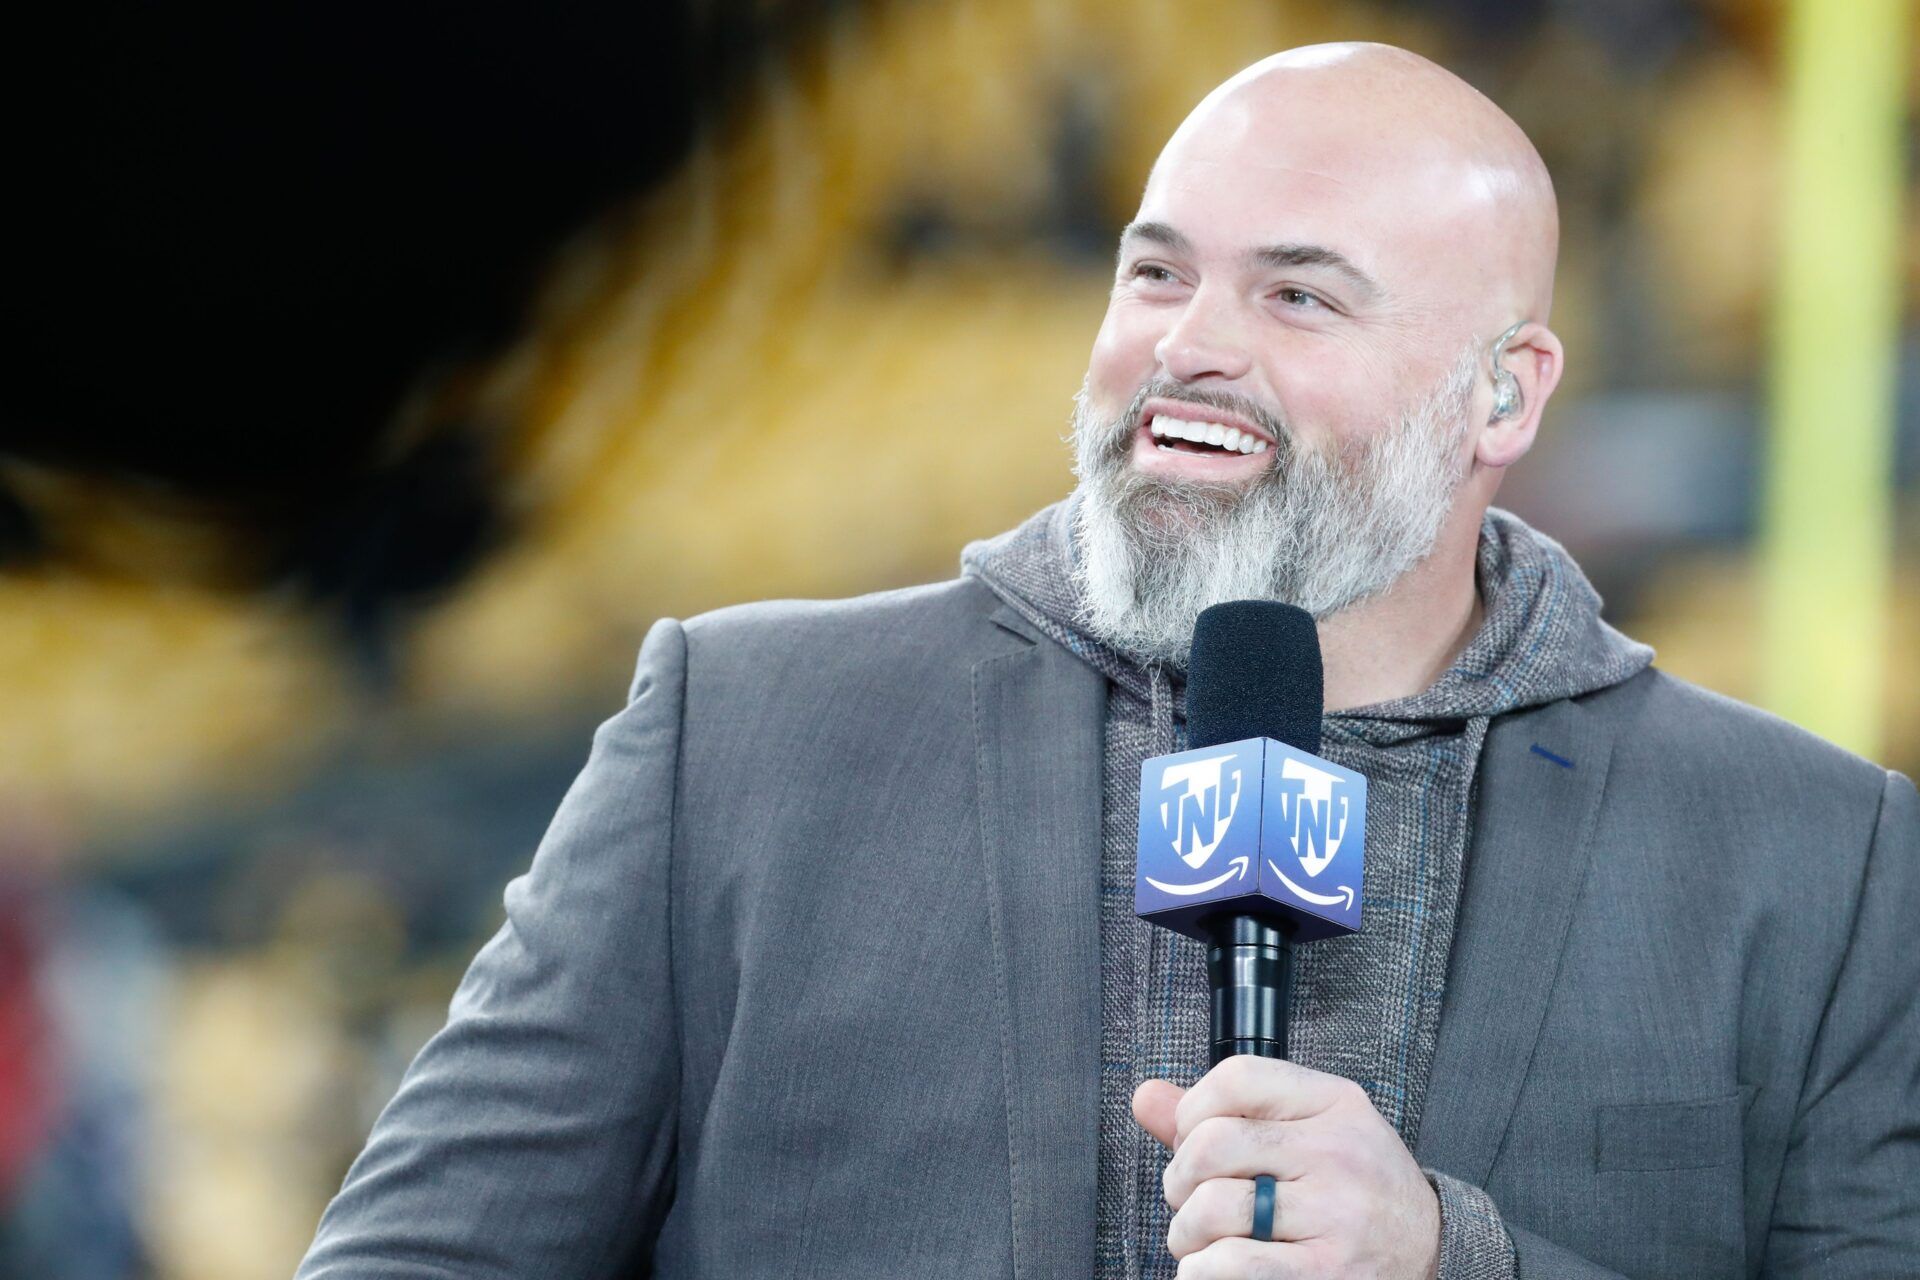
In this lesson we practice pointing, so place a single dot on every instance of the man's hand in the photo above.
(1349, 1201)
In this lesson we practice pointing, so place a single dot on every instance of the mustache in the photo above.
(1212, 398)
(1119, 441)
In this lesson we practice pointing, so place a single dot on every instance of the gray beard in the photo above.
(1323, 531)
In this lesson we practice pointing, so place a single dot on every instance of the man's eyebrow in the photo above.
(1314, 255)
(1159, 233)
(1273, 255)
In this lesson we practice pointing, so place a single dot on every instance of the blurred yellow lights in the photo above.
(128, 695)
(1829, 527)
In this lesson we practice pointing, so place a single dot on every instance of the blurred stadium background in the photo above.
(380, 375)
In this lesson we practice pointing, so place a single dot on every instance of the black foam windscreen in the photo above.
(1255, 673)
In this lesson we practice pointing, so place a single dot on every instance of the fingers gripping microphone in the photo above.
(1249, 841)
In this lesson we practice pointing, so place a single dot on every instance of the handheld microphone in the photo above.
(1250, 842)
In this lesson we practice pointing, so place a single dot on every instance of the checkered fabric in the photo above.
(1367, 1006)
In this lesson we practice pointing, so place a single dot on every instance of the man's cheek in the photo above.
(1122, 357)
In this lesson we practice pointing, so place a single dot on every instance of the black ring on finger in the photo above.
(1263, 1199)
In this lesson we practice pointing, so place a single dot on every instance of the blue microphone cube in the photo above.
(1255, 827)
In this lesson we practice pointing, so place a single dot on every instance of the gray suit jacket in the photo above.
(803, 981)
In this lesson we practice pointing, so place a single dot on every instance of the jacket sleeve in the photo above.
(1848, 1202)
(534, 1135)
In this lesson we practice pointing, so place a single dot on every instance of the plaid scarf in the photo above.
(1366, 1006)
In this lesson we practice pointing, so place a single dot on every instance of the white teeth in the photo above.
(1166, 427)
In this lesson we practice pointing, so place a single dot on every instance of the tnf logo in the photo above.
(1197, 802)
(1313, 812)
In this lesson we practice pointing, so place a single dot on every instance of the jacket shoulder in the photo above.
(935, 620)
(861, 645)
(1707, 743)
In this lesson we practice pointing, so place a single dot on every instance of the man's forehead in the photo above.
(1389, 218)
(1406, 172)
(1286, 129)
(1276, 214)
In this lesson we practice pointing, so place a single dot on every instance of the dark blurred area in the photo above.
(252, 233)
(377, 374)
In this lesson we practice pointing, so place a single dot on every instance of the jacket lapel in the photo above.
(1039, 716)
(1541, 778)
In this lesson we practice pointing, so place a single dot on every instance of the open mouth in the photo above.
(1179, 435)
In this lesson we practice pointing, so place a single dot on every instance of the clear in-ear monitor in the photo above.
(1506, 388)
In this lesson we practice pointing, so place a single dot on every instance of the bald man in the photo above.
(828, 964)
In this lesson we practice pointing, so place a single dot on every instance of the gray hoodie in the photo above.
(1367, 1006)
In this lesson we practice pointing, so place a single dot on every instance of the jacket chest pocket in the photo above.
(1654, 1136)
(1669, 1180)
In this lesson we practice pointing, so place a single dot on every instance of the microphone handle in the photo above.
(1250, 971)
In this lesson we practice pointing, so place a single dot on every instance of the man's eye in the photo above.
(1299, 298)
(1150, 271)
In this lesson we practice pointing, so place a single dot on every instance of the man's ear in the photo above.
(1533, 359)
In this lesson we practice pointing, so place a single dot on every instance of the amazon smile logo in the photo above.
(1313, 809)
(1197, 802)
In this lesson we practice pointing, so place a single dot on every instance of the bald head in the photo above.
(1305, 387)
(1334, 241)
(1419, 173)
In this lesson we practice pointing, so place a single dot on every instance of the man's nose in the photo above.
(1205, 341)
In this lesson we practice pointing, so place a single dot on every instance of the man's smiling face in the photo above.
(1294, 260)
(1281, 399)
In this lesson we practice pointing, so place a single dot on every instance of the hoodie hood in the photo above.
(1542, 639)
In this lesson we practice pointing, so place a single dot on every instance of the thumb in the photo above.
(1153, 1106)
